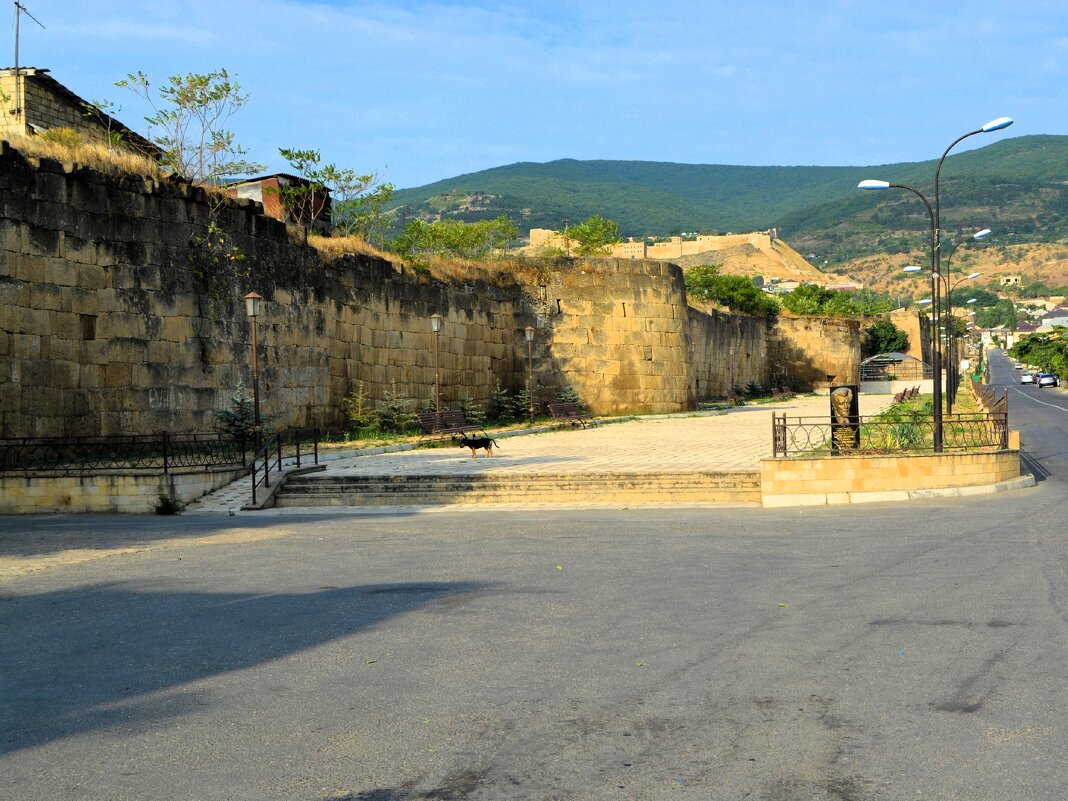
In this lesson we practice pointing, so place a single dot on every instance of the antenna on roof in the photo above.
(19, 11)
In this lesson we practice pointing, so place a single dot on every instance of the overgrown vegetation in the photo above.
(169, 506)
(356, 201)
(67, 145)
(1046, 350)
(735, 292)
(883, 337)
(422, 239)
(190, 115)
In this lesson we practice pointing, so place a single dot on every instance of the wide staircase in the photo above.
(585, 489)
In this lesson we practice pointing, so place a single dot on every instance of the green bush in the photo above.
(360, 417)
(396, 416)
(169, 506)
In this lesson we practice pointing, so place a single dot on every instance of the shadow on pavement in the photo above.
(117, 656)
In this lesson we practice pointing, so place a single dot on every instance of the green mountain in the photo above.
(1015, 185)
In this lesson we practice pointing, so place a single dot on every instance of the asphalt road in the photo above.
(915, 651)
(1040, 414)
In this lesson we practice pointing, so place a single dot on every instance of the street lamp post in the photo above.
(435, 326)
(934, 214)
(951, 361)
(529, 331)
(253, 305)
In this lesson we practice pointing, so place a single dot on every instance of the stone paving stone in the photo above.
(733, 439)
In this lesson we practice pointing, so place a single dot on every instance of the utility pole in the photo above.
(19, 11)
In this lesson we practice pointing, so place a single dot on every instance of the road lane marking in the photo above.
(1036, 400)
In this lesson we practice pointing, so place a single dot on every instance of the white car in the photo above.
(1017, 366)
(1047, 380)
(1027, 378)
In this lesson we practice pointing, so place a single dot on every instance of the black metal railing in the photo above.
(150, 452)
(795, 436)
(276, 449)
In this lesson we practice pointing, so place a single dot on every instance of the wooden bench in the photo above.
(445, 423)
(907, 394)
(570, 414)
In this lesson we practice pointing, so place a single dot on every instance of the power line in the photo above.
(19, 11)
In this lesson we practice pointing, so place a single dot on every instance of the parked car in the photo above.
(1027, 378)
(1017, 366)
(1047, 380)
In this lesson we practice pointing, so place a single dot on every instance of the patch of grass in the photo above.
(65, 145)
(332, 248)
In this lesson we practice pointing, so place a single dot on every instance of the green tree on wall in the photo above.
(883, 337)
(809, 300)
(356, 200)
(453, 238)
(594, 237)
(189, 122)
(736, 292)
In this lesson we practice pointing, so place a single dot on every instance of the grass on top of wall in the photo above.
(66, 145)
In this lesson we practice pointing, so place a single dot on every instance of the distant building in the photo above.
(1050, 319)
(1010, 280)
(267, 189)
(34, 102)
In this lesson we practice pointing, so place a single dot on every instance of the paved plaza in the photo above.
(723, 440)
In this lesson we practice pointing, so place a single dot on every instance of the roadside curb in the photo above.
(841, 498)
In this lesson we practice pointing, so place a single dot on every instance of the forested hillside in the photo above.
(1018, 187)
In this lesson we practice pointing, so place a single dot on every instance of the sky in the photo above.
(423, 91)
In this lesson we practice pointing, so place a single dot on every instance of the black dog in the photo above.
(474, 443)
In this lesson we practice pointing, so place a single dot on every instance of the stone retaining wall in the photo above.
(116, 317)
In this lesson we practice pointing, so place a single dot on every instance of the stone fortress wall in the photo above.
(113, 320)
(675, 248)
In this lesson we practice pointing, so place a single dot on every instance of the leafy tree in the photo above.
(594, 237)
(104, 111)
(809, 300)
(357, 205)
(736, 292)
(303, 202)
(883, 337)
(189, 123)
(1048, 350)
(356, 200)
(983, 297)
(1001, 315)
(453, 238)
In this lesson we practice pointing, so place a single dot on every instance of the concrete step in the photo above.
(512, 489)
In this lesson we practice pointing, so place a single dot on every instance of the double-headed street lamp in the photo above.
(951, 364)
(934, 213)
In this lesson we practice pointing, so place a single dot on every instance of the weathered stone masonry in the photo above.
(110, 321)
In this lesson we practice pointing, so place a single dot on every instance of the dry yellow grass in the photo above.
(88, 153)
(332, 248)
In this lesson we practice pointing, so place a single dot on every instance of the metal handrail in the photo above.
(277, 444)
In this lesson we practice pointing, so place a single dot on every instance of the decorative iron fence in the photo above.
(150, 452)
(794, 436)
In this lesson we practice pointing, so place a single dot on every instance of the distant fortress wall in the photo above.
(675, 248)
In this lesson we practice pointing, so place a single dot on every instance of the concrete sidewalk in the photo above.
(734, 439)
